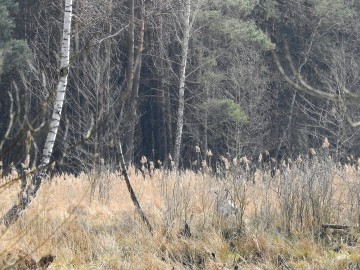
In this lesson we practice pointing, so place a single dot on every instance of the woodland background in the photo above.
(235, 98)
(205, 81)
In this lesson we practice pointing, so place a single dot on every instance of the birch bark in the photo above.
(184, 56)
(13, 214)
(59, 100)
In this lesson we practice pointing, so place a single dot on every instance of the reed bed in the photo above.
(202, 219)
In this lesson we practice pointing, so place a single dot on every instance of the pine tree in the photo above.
(13, 52)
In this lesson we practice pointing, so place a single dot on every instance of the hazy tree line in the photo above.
(233, 76)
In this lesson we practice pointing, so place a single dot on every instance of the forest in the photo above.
(234, 120)
(161, 77)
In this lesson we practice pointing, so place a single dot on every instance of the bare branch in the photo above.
(354, 124)
(342, 86)
(111, 36)
(307, 88)
(301, 84)
(11, 121)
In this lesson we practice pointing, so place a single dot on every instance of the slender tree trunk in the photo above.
(106, 81)
(135, 89)
(13, 214)
(127, 94)
(165, 95)
(206, 130)
(184, 55)
(131, 190)
(130, 69)
(288, 126)
(135, 85)
(163, 119)
(206, 97)
(168, 118)
(61, 87)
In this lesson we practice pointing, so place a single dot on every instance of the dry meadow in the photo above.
(201, 220)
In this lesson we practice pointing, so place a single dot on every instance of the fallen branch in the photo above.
(335, 226)
(131, 190)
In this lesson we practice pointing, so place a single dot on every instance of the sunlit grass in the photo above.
(89, 221)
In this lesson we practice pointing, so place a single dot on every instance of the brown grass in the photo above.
(86, 231)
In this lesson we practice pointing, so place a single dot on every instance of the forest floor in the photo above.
(89, 222)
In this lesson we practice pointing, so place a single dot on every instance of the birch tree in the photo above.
(184, 55)
(13, 214)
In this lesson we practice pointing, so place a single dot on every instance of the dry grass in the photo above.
(89, 222)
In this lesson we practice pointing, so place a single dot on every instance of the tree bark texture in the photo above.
(13, 214)
(184, 56)
(135, 86)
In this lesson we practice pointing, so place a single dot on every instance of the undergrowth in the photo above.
(201, 220)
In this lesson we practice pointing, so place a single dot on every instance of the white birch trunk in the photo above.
(61, 87)
(13, 214)
(184, 56)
